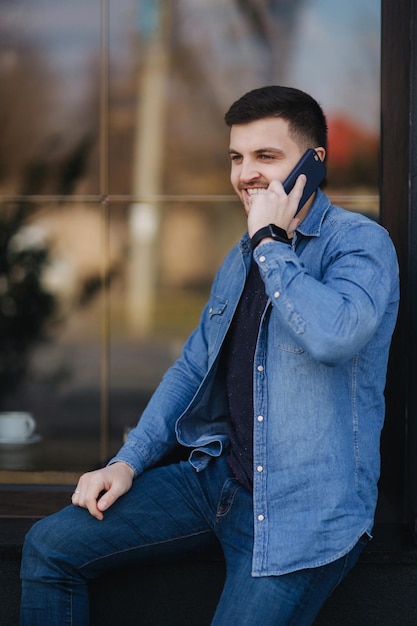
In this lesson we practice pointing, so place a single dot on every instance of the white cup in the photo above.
(16, 425)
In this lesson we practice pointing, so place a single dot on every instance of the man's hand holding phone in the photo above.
(275, 206)
(280, 203)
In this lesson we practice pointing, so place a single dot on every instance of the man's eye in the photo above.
(266, 157)
(235, 157)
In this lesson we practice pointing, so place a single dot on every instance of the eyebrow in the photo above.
(260, 151)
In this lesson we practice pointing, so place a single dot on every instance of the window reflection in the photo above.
(50, 332)
(115, 192)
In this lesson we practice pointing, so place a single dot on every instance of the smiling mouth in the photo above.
(251, 191)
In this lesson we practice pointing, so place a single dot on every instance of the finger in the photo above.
(86, 494)
(76, 496)
(301, 181)
(295, 222)
(294, 197)
(95, 511)
(108, 498)
(275, 186)
(91, 502)
(91, 507)
(105, 502)
(298, 188)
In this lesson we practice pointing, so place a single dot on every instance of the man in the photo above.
(278, 395)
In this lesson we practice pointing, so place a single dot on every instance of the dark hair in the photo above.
(307, 123)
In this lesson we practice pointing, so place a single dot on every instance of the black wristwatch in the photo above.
(273, 231)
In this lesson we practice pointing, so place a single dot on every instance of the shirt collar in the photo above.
(311, 224)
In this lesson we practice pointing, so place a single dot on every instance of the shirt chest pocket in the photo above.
(217, 318)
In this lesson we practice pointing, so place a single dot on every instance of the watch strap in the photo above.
(272, 230)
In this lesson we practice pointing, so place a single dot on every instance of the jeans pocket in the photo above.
(230, 488)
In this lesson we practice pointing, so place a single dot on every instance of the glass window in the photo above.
(115, 202)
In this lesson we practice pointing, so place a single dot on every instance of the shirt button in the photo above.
(260, 418)
(261, 518)
(262, 259)
(259, 468)
(260, 368)
(276, 294)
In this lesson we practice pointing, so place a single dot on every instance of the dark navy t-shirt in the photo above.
(237, 363)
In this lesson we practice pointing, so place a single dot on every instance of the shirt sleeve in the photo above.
(334, 313)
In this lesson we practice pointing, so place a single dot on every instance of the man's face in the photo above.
(260, 152)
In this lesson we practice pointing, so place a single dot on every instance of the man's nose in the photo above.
(248, 171)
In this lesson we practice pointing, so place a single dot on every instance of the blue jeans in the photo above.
(169, 512)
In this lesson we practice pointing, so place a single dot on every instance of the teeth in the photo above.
(254, 190)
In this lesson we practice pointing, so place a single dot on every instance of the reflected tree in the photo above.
(25, 305)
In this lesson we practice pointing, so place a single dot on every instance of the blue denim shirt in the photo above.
(319, 378)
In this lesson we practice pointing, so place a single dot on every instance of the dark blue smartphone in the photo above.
(314, 169)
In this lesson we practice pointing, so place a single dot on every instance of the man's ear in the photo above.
(321, 152)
